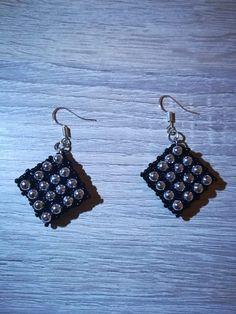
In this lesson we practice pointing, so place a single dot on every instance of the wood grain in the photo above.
(111, 60)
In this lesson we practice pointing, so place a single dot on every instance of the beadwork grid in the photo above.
(52, 187)
(177, 177)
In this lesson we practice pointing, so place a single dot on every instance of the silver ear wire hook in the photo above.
(171, 115)
(65, 144)
(66, 129)
(54, 115)
(173, 134)
(161, 100)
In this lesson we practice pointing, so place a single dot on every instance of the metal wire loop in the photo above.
(173, 135)
(65, 144)
(176, 138)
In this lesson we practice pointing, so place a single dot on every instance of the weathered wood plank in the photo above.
(111, 60)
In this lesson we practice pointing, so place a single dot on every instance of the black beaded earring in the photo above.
(177, 176)
(53, 186)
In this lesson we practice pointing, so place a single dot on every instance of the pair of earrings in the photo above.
(177, 176)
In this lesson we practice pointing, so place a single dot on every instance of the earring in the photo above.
(53, 186)
(177, 176)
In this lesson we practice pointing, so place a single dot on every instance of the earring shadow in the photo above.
(218, 185)
(94, 200)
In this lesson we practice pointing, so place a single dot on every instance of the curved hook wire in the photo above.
(173, 135)
(54, 115)
(161, 101)
(65, 144)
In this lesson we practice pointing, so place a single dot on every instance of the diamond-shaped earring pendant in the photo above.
(177, 176)
(53, 186)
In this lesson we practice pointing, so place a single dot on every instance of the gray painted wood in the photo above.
(112, 60)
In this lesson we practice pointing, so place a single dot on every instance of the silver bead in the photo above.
(25, 185)
(72, 183)
(162, 165)
(179, 186)
(56, 209)
(38, 205)
(68, 201)
(170, 176)
(170, 159)
(47, 166)
(58, 158)
(50, 195)
(43, 185)
(39, 175)
(197, 169)
(207, 180)
(188, 177)
(60, 189)
(177, 150)
(55, 179)
(66, 142)
(188, 196)
(187, 160)
(179, 168)
(168, 195)
(160, 186)
(153, 176)
(46, 217)
(32, 194)
(64, 172)
(198, 188)
(79, 194)
(177, 205)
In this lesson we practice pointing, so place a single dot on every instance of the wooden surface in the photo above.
(111, 60)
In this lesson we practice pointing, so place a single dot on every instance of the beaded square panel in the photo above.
(177, 177)
(52, 187)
